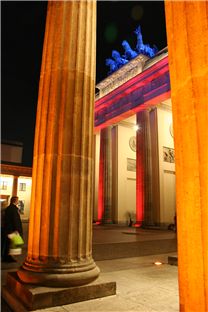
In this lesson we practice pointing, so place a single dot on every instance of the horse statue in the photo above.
(120, 61)
(140, 44)
(144, 48)
(129, 53)
(150, 51)
(112, 64)
(116, 63)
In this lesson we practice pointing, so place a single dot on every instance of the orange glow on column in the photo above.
(187, 33)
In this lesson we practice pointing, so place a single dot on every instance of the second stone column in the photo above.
(105, 177)
(60, 231)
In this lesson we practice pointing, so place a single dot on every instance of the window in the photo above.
(3, 185)
(22, 187)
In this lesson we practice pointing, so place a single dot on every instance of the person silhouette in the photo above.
(12, 223)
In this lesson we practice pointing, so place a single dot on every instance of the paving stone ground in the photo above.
(141, 285)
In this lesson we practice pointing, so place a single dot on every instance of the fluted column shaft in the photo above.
(187, 33)
(60, 231)
(105, 177)
(143, 170)
(148, 178)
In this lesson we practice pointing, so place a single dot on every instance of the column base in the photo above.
(138, 224)
(104, 221)
(107, 221)
(62, 276)
(25, 297)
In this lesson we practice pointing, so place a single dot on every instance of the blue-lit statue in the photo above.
(112, 64)
(144, 48)
(116, 63)
(129, 53)
(120, 61)
(141, 48)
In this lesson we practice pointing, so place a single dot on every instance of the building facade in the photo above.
(125, 143)
(60, 232)
(134, 158)
(15, 179)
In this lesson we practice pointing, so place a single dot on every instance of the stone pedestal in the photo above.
(21, 297)
(173, 260)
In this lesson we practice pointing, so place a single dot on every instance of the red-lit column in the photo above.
(60, 231)
(105, 177)
(143, 170)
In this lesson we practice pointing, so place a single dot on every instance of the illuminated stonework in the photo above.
(119, 77)
(119, 60)
(187, 34)
(60, 231)
(132, 89)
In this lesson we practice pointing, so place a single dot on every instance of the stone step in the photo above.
(108, 251)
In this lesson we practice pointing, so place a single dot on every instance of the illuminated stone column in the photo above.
(143, 170)
(187, 33)
(105, 177)
(148, 178)
(155, 172)
(15, 186)
(60, 231)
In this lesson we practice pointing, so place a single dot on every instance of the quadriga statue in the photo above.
(129, 53)
(118, 61)
(144, 48)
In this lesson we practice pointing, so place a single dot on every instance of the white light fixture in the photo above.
(136, 127)
(157, 263)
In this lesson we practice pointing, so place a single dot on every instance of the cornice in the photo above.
(16, 170)
(119, 77)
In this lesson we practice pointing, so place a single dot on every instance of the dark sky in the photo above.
(22, 33)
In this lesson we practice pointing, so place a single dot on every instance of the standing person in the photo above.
(3, 234)
(12, 223)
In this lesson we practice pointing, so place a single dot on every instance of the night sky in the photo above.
(22, 34)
